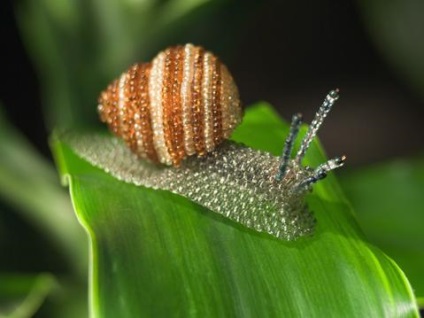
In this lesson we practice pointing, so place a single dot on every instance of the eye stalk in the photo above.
(288, 146)
(295, 165)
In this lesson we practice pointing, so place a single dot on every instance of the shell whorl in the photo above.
(184, 102)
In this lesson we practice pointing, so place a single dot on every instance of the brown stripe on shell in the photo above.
(132, 109)
(123, 103)
(176, 116)
(197, 111)
(105, 105)
(114, 124)
(167, 101)
(144, 111)
(223, 101)
(216, 102)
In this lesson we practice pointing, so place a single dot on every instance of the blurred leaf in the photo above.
(22, 295)
(29, 182)
(157, 254)
(41, 295)
(390, 205)
(397, 29)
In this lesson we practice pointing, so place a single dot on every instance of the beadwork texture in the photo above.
(184, 102)
(234, 181)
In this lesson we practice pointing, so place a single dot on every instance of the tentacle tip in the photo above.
(297, 119)
(341, 160)
(334, 94)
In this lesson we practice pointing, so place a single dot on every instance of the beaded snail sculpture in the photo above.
(175, 115)
(185, 102)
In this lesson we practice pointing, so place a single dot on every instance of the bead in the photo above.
(184, 102)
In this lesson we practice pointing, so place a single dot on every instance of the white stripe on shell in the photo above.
(155, 94)
(121, 102)
(206, 100)
(186, 98)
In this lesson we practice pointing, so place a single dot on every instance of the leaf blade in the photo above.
(150, 243)
(388, 199)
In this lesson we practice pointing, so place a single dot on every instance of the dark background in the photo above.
(287, 54)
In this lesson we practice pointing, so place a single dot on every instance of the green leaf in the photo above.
(157, 254)
(389, 201)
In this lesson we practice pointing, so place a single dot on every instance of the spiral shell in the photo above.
(184, 102)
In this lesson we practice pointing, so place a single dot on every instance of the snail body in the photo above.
(184, 102)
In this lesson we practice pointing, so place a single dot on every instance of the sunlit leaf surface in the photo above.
(156, 254)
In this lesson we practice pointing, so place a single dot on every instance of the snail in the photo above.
(184, 102)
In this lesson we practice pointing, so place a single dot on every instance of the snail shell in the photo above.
(184, 102)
